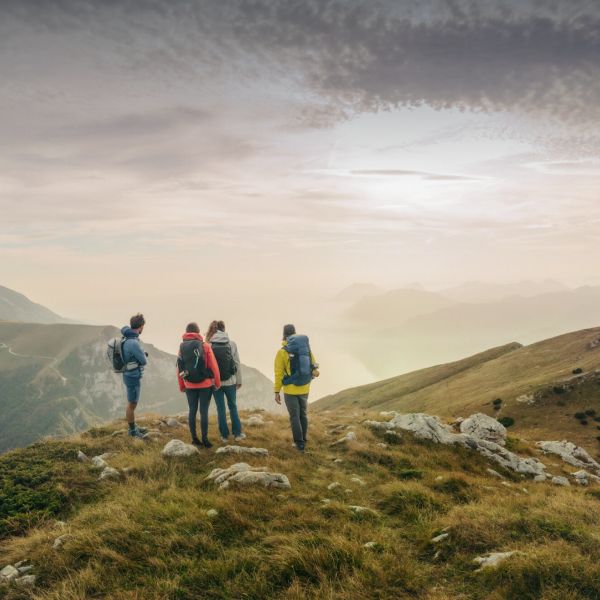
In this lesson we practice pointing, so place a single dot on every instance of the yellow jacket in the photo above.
(282, 368)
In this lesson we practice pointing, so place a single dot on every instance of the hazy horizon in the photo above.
(246, 161)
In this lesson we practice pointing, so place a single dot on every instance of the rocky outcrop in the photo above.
(243, 474)
(483, 427)
(493, 559)
(584, 478)
(571, 454)
(179, 448)
(428, 427)
(243, 450)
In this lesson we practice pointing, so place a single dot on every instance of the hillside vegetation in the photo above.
(55, 380)
(17, 307)
(534, 384)
(149, 535)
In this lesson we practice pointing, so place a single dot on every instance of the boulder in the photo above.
(109, 473)
(81, 456)
(378, 425)
(584, 478)
(560, 481)
(571, 454)
(254, 421)
(173, 422)
(212, 513)
(493, 559)
(243, 474)
(60, 540)
(349, 437)
(242, 450)
(99, 463)
(482, 427)
(26, 581)
(358, 480)
(9, 573)
(179, 448)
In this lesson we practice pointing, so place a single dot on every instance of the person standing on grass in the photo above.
(135, 360)
(197, 374)
(295, 368)
(228, 358)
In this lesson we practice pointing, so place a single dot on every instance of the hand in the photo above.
(238, 386)
(277, 398)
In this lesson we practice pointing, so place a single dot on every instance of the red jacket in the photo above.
(211, 363)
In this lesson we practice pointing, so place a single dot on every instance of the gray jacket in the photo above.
(222, 337)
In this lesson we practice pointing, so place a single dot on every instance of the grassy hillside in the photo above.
(55, 380)
(17, 307)
(149, 536)
(506, 373)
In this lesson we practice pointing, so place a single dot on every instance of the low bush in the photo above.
(579, 415)
(507, 421)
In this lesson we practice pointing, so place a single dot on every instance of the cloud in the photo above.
(407, 173)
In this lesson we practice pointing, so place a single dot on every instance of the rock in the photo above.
(26, 581)
(440, 538)
(81, 456)
(571, 454)
(212, 513)
(378, 425)
(388, 413)
(9, 573)
(242, 450)
(362, 510)
(541, 477)
(99, 462)
(334, 485)
(372, 546)
(382, 445)
(560, 481)
(526, 399)
(326, 501)
(492, 560)
(118, 432)
(255, 421)
(172, 422)
(393, 434)
(109, 473)
(439, 478)
(107, 455)
(584, 478)
(495, 473)
(482, 427)
(347, 491)
(349, 437)
(24, 569)
(244, 474)
(20, 564)
(358, 480)
(337, 461)
(179, 448)
(59, 541)
(431, 428)
(60, 525)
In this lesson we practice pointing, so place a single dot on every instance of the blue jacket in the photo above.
(133, 353)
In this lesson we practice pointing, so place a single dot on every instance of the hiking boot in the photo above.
(196, 442)
(142, 430)
(206, 443)
(239, 438)
(137, 433)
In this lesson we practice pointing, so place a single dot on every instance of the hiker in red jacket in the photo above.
(198, 374)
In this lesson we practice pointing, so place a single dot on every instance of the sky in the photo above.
(246, 159)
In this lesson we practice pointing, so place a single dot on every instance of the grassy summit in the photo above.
(149, 536)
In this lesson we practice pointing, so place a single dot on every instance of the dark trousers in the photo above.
(198, 398)
(229, 392)
(297, 406)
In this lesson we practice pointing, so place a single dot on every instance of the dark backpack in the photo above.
(192, 362)
(115, 356)
(298, 348)
(224, 356)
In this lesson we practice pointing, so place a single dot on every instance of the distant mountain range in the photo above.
(17, 307)
(533, 385)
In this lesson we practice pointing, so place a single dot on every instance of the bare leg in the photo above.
(130, 412)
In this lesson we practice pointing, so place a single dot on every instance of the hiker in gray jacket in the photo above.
(228, 358)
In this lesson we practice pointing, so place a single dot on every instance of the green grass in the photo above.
(148, 536)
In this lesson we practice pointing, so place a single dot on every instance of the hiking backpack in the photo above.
(298, 348)
(191, 362)
(114, 352)
(224, 355)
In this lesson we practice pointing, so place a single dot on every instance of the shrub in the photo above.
(507, 421)
(580, 415)
(497, 401)
(497, 406)
(577, 371)
(455, 487)
(410, 474)
(559, 389)
(590, 412)
(583, 422)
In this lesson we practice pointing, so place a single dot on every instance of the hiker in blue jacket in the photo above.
(135, 360)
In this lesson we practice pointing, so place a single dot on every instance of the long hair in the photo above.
(213, 328)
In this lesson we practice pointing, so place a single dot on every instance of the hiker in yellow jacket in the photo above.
(295, 367)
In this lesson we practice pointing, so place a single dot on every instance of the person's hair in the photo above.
(137, 321)
(192, 328)
(288, 330)
(213, 328)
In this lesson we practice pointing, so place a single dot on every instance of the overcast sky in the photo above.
(156, 149)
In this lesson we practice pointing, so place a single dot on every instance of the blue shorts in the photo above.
(134, 388)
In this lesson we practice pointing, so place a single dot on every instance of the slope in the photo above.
(162, 531)
(534, 383)
(55, 379)
(17, 307)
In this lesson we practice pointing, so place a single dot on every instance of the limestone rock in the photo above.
(109, 473)
(349, 437)
(9, 573)
(81, 456)
(244, 474)
(440, 538)
(179, 448)
(212, 513)
(492, 560)
(26, 581)
(560, 481)
(571, 454)
(378, 425)
(60, 540)
(254, 421)
(495, 473)
(172, 422)
(362, 510)
(358, 480)
(24, 569)
(242, 450)
(584, 478)
(99, 462)
(482, 427)
(334, 485)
